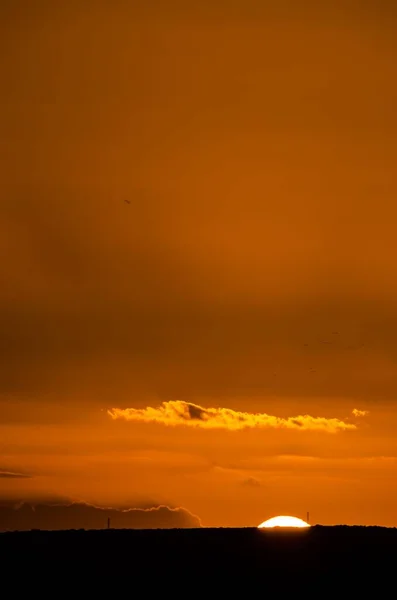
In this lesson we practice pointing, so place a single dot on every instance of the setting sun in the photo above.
(283, 521)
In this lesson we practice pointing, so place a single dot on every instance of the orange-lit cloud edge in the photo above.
(180, 413)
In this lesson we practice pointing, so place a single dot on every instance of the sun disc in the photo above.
(283, 521)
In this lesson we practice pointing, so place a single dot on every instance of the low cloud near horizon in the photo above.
(22, 516)
(177, 412)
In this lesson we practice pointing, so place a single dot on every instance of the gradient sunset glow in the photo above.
(198, 291)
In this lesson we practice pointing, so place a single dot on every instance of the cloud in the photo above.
(12, 475)
(177, 412)
(360, 413)
(78, 515)
(251, 482)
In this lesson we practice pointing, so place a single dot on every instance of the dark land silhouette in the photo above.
(316, 560)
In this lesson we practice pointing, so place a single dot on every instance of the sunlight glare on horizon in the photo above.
(283, 521)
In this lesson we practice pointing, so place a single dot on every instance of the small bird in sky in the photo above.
(127, 201)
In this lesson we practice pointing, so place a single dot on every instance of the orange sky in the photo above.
(253, 270)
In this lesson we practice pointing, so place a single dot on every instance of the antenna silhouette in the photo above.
(307, 517)
(108, 522)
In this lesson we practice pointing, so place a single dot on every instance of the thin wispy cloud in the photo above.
(13, 475)
(251, 482)
(360, 413)
(180, 413)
